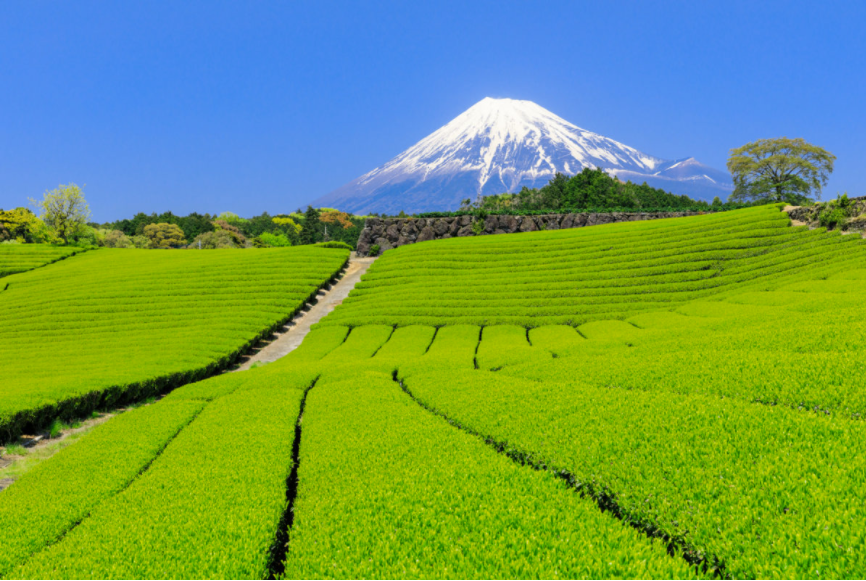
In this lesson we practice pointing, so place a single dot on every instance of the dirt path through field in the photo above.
(297, 329)
(13, 466)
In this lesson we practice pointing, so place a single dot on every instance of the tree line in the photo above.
(764, 171)
(64, 219)
(591, 188)
(228, 230)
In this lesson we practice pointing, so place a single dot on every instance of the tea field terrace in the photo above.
(575, 276)
(119, 325)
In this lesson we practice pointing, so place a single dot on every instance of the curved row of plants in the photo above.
(113, 326)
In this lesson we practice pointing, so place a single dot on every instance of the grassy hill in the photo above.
(16, 258)
(574, 276)
(658, 400)
(117, 325)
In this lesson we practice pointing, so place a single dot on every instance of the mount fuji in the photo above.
(501, 145)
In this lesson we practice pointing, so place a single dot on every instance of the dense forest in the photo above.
(589, 190)
(228, 230)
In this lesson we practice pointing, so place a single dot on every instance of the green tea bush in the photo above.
(575, 276)
(50, 499)
(120, 325)
(832, 217)
(191, 509)
(397, 492)
(335, 244)
(16, 258)
(677, 398)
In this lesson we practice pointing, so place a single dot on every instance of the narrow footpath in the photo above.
(288, 340)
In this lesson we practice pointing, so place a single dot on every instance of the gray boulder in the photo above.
(528, 225)
(427, 233)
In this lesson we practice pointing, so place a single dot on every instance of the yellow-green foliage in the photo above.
(15, 258)
(121, 324)
(53, 497)
(706, 392)
(574, 276)
(202, 487)
(213, 458)
(391, 491)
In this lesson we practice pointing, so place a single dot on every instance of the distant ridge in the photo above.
(501, 145)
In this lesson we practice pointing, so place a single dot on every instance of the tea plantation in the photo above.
(16, 258)
(115, 325)
(669, 399)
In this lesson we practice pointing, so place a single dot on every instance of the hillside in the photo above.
(15, 258)
(669, 399)
(574, 276)
(116, 325)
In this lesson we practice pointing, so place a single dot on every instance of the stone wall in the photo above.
(393, 232)
(809, 214)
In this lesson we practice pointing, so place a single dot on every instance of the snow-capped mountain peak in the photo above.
(497, 145)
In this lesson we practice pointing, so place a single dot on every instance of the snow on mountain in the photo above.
(501, 145)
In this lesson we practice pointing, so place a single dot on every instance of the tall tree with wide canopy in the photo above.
(779, 170)
(65, 210)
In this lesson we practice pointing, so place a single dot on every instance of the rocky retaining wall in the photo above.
(393, 232)
(856, 210)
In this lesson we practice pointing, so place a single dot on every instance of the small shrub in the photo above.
(335, 244)
(15, 450)
(477, 227)
(274, 240)
(374, 250)
(140, 241)
(56, 429)
(832, 218)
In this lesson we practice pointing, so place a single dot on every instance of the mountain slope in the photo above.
(501, 145)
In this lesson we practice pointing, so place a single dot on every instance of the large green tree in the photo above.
(311, 226)
(779, 170)
(164, 235)
(65, 210)
(21, 224)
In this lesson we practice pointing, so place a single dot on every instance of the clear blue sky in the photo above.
(253, 106)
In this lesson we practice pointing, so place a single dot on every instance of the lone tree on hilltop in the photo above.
(65, 210)
(779, 170)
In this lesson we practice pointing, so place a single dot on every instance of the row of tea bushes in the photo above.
(575, 276)
(760, 491)
(45, 503)
(387, 490)
(15, 258)
(191, 486)
(113, 325)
